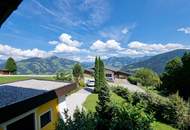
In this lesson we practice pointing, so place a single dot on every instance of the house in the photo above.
(110, 73)
(32, 104)
(4, 72)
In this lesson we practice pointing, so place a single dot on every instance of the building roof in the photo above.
(22, 90)
(21, 96)
(4, 70)
(116, 70)
(6, 8)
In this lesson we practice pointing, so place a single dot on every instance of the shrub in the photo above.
(81, 121)
(172, 110)
(147, 77)
(82, 83)
(123, 92)
(133, 80)
(129, 117)
(65, 76)
(125, 117)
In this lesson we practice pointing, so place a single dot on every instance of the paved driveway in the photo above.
(126, 84)
(77, 99)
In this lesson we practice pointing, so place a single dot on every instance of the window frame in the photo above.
(4, 125)
(51, 117)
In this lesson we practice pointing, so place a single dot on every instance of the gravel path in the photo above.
(77, 99)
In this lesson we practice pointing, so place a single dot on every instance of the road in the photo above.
(77, 99)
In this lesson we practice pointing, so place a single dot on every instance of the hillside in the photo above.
(122, 61)
(117, 62)
(48, 65)
(156, 63)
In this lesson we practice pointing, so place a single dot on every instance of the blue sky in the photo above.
(82, 29)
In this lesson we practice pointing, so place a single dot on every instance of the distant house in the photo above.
(32, 104)
(110, 73)
(4, 72)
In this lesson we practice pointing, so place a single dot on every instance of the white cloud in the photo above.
(65, 44)
(118, 33)
(185, 30)
(7, 51)
(65, 48)
(154, 47)
(109, 45)
(67, 39)
(125, 30)
(53, 42)
(140, 48)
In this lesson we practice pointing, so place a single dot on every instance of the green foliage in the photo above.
(65, 76)
(124, 117)
(123, 92)
(102, 79)
(161, 126)
(11, 65)
(82, 83)
(129, 117)
(78, 73)
(99, 75)
(133, 80)
(177, 76)
(172, 110)
(170, 77)
(81, 121)
(103, 110)
(147, 77)
(96, 75)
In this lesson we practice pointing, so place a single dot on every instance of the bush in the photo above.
(82, 83)
(129, 117)
(123, 92)
(125, 117)
(172, 110)
(65, 76)
(133, 80)
(80, 121)
(147, 77)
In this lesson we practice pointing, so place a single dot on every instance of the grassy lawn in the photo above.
(12, 79)
(161, 126)
(9, 79)
(92, 99)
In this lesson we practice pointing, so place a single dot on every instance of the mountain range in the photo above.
(54, 64)
(117, 62)
(50, 65)
(157, 62)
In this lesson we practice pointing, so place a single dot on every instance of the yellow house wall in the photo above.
(51, 105)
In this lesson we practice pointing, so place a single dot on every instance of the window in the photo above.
(25, 123)
(45, 119)
(108, 75)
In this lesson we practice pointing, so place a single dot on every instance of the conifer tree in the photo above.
(103, 110)
(96, 75)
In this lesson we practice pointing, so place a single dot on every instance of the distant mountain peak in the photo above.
(157, 62)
